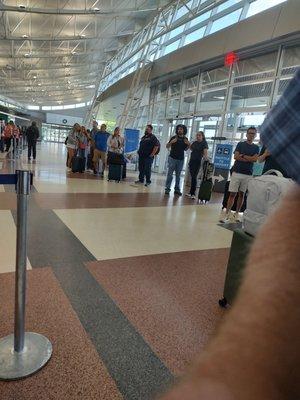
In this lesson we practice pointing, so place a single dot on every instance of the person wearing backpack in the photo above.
(148, 148)
(245, 155)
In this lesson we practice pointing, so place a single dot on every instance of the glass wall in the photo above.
(179, 25)
(223, 102)
(54, 133)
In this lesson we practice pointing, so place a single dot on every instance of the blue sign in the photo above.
(132, 138)
(223, 156)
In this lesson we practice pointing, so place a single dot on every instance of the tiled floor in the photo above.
(125, 281)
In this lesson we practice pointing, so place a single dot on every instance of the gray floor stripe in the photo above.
(136, 369)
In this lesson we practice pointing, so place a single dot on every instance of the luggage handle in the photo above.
(274, 171)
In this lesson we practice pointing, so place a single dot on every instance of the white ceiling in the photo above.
(52, 52)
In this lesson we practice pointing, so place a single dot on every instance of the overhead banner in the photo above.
(132, 138)
(223, 156)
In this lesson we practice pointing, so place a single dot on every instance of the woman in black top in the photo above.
(199, 149)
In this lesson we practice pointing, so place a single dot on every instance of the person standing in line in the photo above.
(82, 141)
(178, 145)
(199, 150)
(2, 136)
(270, 162)
(100, 149)
(32, 134)
(11, 131)
(148, 148)
(72, 143)
(115, 144)
(245, 155)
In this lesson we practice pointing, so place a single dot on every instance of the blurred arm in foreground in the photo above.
(256, 352)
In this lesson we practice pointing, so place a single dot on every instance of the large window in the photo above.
(291, 60)
(171, 47)
(228, 4)
(172, 108)
(225, 21)
(262, 5)
(256, 68)
(211, 101)
(175, 88)
(195, 35)
(251, 96)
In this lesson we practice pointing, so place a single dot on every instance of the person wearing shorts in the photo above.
(245, 154)
(100, 149)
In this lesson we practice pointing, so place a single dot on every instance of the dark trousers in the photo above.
(7, 142)
(2, 145)
(32, 149)
(145, 164)
(194, 167)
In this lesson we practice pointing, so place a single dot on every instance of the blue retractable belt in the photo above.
(12, 179)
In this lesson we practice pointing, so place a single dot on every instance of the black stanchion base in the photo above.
(37, 352)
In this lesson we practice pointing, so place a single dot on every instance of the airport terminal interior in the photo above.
(124, 278)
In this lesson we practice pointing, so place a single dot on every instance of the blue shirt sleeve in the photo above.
(239, 148)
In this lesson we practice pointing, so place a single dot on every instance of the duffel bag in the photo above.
(265, 193)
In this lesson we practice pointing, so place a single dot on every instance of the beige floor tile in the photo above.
(126, 232)
(8, 242)
(74, 185)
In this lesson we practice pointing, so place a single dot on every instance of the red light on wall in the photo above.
(231, 58)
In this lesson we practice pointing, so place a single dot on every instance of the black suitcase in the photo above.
(115, 172)
(239, 250)
(225, 199)
(89, 163)
(206, 185)
(205, 190)
(78, 164)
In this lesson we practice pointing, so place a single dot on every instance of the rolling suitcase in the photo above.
(239, 250)
(78, 164)
(115, 172)
(206, 185)
(90, 164)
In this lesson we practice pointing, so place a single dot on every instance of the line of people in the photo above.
(177, 145)
(95, 146)
(98, 145)
(11, 135)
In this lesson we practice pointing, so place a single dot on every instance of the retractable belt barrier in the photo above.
(22, 353)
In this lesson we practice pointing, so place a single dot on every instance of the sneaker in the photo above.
(167, 191)
(224, 217)
(147, 184)
(178, 192)
(138, 182)
(188, 195)
(237, 218)
(193, 197)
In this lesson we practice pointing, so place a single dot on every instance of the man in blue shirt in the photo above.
(149, 146)
(100, 148)
(245, 154)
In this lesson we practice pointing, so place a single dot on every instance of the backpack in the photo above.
(265, 193)
(158, 150)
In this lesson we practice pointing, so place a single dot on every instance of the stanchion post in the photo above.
(22, 353)
(23, 189)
